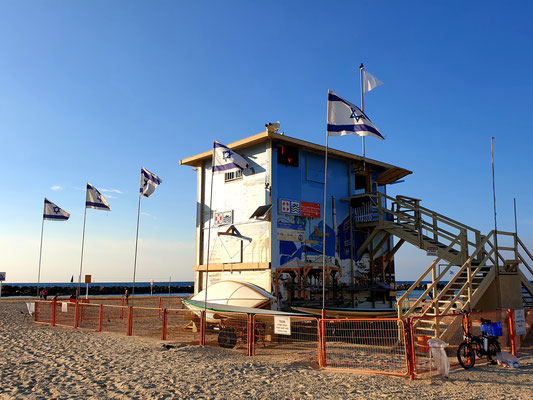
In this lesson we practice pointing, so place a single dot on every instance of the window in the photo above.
(231, 176)
(288, 155)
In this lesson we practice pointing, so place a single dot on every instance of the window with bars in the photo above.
(231, 176)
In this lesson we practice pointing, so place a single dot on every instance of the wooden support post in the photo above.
(54, 311)
(129, 331)
(164, 325)
(435, 230)
(100, 317)
(469, 280)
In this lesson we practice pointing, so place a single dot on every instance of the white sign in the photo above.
(520, 322)
(2, 276)
(223, 218)
(432, 251)
(64, 306)
(282, 325)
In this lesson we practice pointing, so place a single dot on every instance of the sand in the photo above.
(41, 362)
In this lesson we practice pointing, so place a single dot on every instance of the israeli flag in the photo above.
(345, 118)
(149, 182)
(226, 159)
(94, 199)
(53, 212)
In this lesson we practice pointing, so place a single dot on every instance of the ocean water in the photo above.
(105, 284)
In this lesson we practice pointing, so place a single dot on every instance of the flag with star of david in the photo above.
(95, 199)
(149, 182)
(225, 159)
(345, 118)
(53, 212)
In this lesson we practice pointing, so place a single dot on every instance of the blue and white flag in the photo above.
(95, 199)
(370, 82)
(149, 182)
(53, 212)
(225, 159)
(345, 118)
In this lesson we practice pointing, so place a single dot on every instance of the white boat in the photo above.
(231, 293)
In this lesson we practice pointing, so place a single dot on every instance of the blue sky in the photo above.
(90, 91)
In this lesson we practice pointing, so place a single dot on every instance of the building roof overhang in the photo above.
(387, 173)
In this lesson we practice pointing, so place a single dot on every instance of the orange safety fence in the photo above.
(366, 345)
(182, 326)
(297, 339)
(227, 330)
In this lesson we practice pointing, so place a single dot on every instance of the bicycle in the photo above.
(480, 346)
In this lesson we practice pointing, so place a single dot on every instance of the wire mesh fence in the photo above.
(299, 340)
(227, 330)
(366, 345)
(182, 326)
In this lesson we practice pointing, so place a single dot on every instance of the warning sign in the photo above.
(88, 278)
(520, 322)
(309, 209)
(282, 325)
(432, 251)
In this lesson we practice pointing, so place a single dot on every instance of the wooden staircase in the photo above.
(475, 260)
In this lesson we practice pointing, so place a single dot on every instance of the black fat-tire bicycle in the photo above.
(477, 346)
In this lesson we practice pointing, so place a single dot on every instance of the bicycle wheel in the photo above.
(493, 348)
(466, 355)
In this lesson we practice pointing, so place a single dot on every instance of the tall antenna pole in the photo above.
(40, 254)
(494, 204)
(135, 258)
(361, 69)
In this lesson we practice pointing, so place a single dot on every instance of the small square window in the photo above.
(231, 176)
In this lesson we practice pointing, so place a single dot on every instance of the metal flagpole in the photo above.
(40, 254)
(494, 203)
(209, 226)
(515, 224)
(135, 258)
(324, 222)
(82, 244)
(361, 69)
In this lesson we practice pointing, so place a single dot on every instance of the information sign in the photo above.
(432, 251)
(520, 322)
(2, 276)
(282, 325)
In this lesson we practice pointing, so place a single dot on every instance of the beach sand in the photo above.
(41, 362)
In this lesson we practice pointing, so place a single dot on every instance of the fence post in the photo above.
(512, 333)
(410, 347)
(202, 328)
(54, 303)
(249, 336)
(322, 333)
(160, 305)
(164, 327)
(130, 321)
(35, 311)
(122, 309)
(252, 344)
(100, 318)
(76, 315)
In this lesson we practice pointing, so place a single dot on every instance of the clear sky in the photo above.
(90, 91)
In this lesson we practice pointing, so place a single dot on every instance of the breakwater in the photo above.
(94, 290)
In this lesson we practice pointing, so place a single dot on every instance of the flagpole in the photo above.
(40, 254)
(361, 69)
(82, 244)
(324, 222)
(135, 258)
(209, 226)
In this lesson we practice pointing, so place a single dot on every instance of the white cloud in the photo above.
(57, 187)
(111, 191)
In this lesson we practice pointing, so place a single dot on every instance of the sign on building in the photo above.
(520, 322)
(299, 208)
(291, 232)
(223, 218)
(432, 251)
(282, 325)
